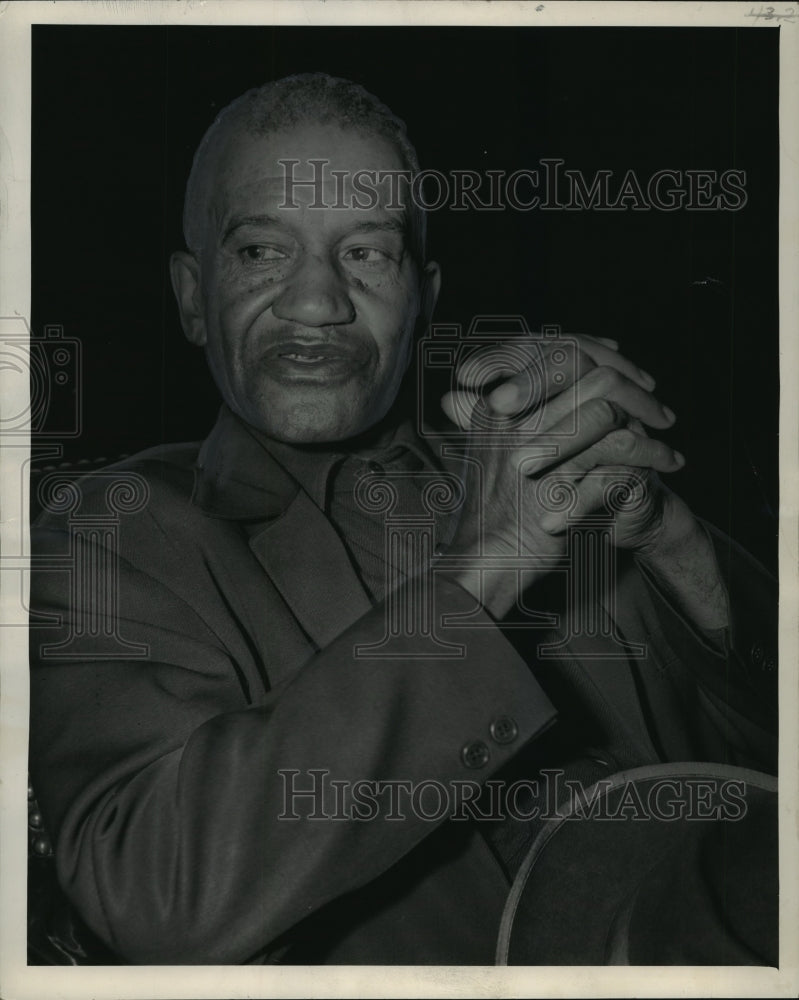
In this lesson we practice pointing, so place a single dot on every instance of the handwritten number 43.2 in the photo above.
(770, 14)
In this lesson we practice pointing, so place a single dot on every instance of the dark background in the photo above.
(118, 112)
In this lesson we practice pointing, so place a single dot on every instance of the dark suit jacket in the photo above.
(159, 775)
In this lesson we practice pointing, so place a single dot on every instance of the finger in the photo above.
(637, 426)
(554, 369)
(508, 357)
(561, 418)
(600, 350)
(624, 447)
(603, 354)
(531, 358)
(468, 410)
(459, 407)
(607, 488)
(608, 383)
(538, 451)
(607, 341)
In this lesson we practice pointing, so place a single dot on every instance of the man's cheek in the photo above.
(390, 288)
(238, 316)
(389, 315)
(239, 296)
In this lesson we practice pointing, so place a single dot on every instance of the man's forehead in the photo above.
(310, 140)
(313, 164)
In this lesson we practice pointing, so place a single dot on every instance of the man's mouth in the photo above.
(319, 362)
(304, 359)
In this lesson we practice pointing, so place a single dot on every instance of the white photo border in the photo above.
(18, 981)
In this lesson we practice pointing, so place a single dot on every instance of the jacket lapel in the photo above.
(237, 479)
(302, 572)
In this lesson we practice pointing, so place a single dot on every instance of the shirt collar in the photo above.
(312, 467)
(244, 475)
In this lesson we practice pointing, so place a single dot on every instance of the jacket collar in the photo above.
(236, 478)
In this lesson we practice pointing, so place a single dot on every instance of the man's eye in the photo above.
(258, 253)
(366, 255)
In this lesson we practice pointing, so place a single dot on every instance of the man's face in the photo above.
(306, 314)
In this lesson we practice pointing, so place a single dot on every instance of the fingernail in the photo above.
(679, 458)
(668, 414)
(647, 378)
(503, 397)
(549, 523)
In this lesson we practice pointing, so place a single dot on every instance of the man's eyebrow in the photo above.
(383, 225)
(250, 220)
(367, 226)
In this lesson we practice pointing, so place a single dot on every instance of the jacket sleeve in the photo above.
(182, 834)
(725, 681)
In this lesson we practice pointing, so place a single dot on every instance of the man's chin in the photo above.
(310, 436)
(314, 429)
(316, 415)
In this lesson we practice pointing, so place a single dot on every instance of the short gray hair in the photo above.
(285, 103)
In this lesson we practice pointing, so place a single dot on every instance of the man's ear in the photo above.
(428, 296)
(184, 269)
(431, 286)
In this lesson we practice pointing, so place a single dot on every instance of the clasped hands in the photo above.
(569, 414)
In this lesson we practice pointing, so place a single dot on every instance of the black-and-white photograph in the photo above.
(404, 495)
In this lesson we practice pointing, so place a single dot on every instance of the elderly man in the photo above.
(184, 788)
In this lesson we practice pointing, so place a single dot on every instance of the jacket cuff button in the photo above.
(475, 755)
(504, 730)
(42, 847)
(762, 658)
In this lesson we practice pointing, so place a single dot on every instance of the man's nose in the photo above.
(315, 295)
